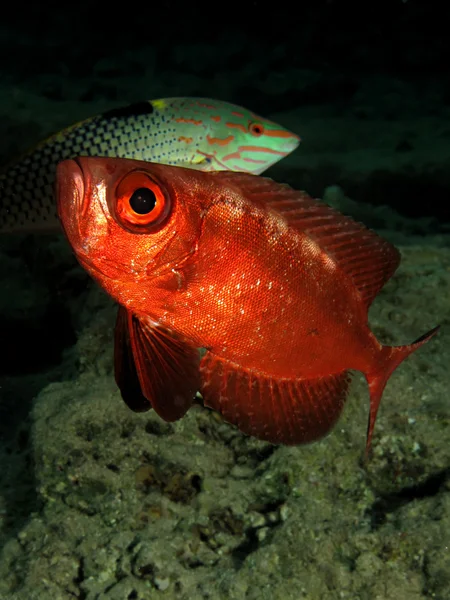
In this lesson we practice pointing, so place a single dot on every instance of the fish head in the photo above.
(232, 138)
(129, 221)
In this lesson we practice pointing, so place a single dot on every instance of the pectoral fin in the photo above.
(153, 368)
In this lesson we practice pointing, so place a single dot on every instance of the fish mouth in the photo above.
(290, 144)
(293, 143)
(72, 208)
(70, 196)
(74, 187)
(70, 178)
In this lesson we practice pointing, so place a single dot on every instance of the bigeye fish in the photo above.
(202, 134)
(274, 284)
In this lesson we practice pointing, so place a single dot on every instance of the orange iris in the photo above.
(141, 201)
(256, 129)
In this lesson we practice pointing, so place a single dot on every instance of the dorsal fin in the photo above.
(362, 254)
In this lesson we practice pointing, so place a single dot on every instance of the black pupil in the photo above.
(143, 201)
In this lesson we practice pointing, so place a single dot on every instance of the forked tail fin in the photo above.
(391, 358)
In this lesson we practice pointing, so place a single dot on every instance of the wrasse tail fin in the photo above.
(391, 358)
(154, 369)
(282, 411)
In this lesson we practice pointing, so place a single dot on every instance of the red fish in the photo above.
(275, 285)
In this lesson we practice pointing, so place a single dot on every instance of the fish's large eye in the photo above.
(141, 202)
(256, 129)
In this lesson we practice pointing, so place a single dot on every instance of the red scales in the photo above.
(274, 284)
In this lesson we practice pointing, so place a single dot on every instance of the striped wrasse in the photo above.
(204, 134)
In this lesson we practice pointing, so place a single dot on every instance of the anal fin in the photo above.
(280, 411)
(153, 368)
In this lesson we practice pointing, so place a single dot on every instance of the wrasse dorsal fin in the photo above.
(154, 369)
(285, 411)
(362, 254)
(137, 109)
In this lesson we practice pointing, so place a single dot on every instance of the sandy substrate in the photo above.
(99, 503)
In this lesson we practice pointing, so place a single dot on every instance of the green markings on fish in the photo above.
(203, 134)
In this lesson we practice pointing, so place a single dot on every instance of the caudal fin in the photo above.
(391, 357)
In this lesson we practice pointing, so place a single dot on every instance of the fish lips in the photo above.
(77, 216)
(70, 193)
(291, 143)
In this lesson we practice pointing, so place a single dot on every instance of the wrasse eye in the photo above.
(141, 203)
(256, 129)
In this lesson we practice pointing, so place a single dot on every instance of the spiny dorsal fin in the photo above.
(362, 254)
